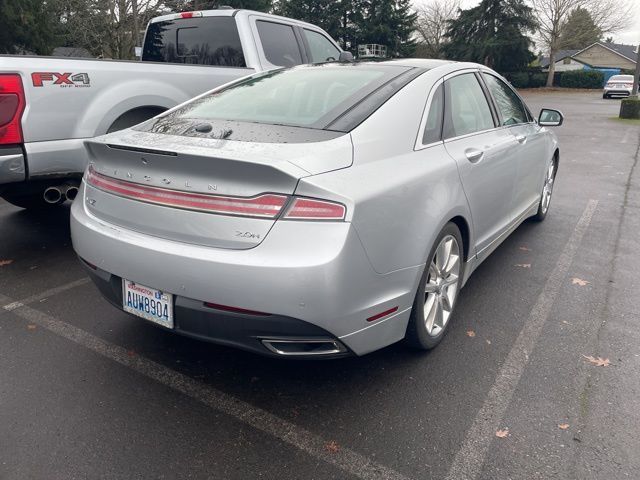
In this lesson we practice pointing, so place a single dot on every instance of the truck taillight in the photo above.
(12, 103)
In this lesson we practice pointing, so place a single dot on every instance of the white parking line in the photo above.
(42, 295)
(290, 433)
(469, 460)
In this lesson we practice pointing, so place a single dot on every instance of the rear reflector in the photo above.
(12, 103)
(265, 206)
(311, 209)
(243, 311)
(382, 314)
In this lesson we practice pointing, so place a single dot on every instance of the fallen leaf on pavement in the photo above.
(502, 433)
(471, 333)
(523, 265)
(332, 446)
(563, 426)
(579, 281)
(524, 249)
(31, 326)
(598, 362)
(5, 262)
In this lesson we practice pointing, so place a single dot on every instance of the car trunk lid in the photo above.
(213, 192)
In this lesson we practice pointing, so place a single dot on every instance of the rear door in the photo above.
(279, 43)
(485, 156)
(531, 149)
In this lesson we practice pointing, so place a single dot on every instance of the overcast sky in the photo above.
(631, 36)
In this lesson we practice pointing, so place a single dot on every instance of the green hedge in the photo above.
(527, 79)
(582, 79)
(630, 107)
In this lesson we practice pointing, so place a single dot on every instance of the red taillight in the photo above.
(243, 311)
(311, 209)
(12, 103)
(266, 206)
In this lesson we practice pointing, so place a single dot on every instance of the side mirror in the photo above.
(345, 57)
(550, 118)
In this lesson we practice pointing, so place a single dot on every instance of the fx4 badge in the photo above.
(64, 80)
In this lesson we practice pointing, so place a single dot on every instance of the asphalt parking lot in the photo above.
(89, 392)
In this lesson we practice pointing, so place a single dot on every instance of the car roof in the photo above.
(232, 12)
(426, 63)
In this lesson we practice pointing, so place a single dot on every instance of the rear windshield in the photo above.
(198, 41)
(299, 97)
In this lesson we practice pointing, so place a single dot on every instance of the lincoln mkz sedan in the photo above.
(318, 211)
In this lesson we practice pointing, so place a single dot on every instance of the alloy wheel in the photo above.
(547, 190)
(441, 288)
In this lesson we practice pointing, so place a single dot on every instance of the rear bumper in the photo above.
(56, 158)
(12, 165)
(617, 91)
(243, 331)
(315, 279)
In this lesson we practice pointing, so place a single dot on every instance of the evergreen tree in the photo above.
(493, 33)
(390, 23)
(26, 26)
(579, 31)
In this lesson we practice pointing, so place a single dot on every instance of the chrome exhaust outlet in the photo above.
(53, 195)
(304, 347)
(71, 192)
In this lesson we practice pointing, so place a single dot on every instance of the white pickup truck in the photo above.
(49, 105)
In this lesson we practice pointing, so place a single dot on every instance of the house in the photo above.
(608, 56)
(564, 61)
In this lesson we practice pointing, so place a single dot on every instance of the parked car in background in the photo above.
(322, 210)
(49, 106)
(618, 86)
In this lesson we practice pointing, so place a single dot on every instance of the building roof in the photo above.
(560, 55)
(627, 51)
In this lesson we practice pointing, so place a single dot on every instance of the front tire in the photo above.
(547, 190)
(438, 290)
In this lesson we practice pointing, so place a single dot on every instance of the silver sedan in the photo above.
(323, 210)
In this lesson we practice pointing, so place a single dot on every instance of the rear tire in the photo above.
(438, 290)
(605, 96)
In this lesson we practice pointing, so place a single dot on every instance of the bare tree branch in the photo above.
(432, 23)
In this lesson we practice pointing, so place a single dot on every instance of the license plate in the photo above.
(148, 303)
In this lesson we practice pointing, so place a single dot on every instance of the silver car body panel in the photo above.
(399, 195)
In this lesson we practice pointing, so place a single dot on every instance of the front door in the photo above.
(484, 155)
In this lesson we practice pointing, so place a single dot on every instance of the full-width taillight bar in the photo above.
(266, 205)
(12, 104)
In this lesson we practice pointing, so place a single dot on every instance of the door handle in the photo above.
(473, 154)
(521, 138)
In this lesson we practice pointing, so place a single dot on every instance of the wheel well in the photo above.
(134, 116)
(462, 225)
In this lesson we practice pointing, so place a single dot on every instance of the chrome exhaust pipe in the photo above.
(304, 347)
(71, 192)
(53, 195)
